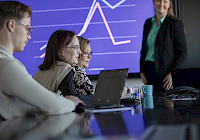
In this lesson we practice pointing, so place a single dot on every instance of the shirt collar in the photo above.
(5, 52)
(153, 19)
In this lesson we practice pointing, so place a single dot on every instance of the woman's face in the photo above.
(161, 6)
(70, 53)
(85, 57)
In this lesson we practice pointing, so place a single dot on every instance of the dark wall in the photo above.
(189, 12)
(190, 15)
(187, 77)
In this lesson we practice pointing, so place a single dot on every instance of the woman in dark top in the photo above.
(163, 47)
(57, 71)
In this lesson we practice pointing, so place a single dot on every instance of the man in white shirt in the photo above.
(20, 94)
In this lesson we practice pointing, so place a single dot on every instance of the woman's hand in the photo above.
(125, 91)
(143, 78)
(75, 99)
(168, 82)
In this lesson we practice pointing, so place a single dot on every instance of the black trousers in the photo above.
(152, 77)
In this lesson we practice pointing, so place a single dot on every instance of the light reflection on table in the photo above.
(132, 124)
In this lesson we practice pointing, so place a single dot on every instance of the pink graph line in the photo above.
(106, 24)
(43, 55)
(97, 5)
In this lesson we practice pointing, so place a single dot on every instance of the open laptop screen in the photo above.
(109, 87)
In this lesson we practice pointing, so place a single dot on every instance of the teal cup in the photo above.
(148, 102)
(147, 90)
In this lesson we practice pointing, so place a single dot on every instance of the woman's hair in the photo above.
(59, 39)
(13, 10)
(83, 43)
(170, 10)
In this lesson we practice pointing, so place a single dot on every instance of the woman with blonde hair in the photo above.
(163, 47)
(82, 83)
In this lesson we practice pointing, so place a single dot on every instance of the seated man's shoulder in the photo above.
(8, 64)
(8, 61)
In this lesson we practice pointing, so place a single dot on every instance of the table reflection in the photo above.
(132, 124)
(35, 128)
(15, 128)
(107, 121)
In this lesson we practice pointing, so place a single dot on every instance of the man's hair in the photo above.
(13, 10)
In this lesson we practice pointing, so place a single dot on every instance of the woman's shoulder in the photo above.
(174, 20)
(148, 20)
(60, 68)
(79, 70)
(62, 64)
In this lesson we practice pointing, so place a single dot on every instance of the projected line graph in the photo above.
(94, 7)
(116, 5)
(114, 28)
(97, 5)
(91, 10)
(108, 53)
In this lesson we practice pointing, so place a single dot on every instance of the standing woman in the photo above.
(163, 47)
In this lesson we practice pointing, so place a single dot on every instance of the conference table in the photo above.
(166, 120)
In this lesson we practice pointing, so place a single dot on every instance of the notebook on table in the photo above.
(108, 90)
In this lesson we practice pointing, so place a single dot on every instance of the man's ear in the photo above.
(11, 25)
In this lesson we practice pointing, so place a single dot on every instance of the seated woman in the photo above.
(56, 72)
(82, 83)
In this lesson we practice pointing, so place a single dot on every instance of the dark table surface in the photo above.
(166, 120)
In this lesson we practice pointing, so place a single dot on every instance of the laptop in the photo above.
(108, 89)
